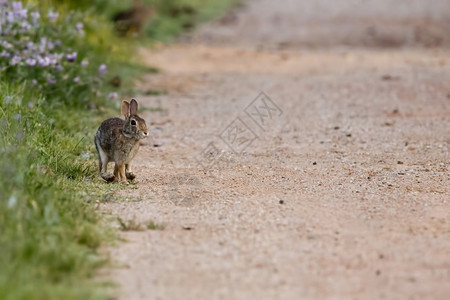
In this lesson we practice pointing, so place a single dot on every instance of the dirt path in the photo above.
(340, 185)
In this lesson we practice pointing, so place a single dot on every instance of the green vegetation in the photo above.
(170, 17)
(61, 71)
(134, 225)
(175, 16)
(154, 226)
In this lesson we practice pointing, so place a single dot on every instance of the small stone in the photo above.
(281, 201)
(400, 162)
(314, 163)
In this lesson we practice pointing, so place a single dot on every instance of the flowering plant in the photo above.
(44, 49)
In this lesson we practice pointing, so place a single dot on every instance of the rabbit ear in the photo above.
(133, 106)
(125, 109)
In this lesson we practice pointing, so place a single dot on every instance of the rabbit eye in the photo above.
(133, 122)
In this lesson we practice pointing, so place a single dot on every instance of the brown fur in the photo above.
(117, 140)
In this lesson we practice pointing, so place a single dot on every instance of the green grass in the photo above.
(175, 16)
(134, 225)
(49, 231)
(155, 226)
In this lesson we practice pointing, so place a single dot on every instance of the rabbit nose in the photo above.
(145, 133)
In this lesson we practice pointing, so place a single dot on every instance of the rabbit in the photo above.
(117, 140)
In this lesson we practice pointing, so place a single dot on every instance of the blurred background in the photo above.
(297, 23)
(347, 23)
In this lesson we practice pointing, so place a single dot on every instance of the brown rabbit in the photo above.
(117, 140)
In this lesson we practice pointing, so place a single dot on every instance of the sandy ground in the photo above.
(333, 184)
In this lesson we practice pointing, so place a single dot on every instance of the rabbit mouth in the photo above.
(129, 135)
(135, 135)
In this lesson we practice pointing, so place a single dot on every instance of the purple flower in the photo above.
(10, 17)
(43, 44)
(84, 63)
(43, 61)
(17, 116)
(102, 69)
(17, 5)
(53, 59)
(5, 54)
(30, 61)
(30, 104)
(6, 45)
(79, 27)
(22, 14)
(71, 57)
(34, 81)
(25, 26)
(112, 95)
(15, 60)
(51, 81)
(76, 79)
(35, 15)
(52, 16)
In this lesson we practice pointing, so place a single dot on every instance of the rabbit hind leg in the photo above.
(116, 172)
(103, 164)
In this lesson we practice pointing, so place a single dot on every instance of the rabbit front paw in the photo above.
(130, 175)
(108, 177)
